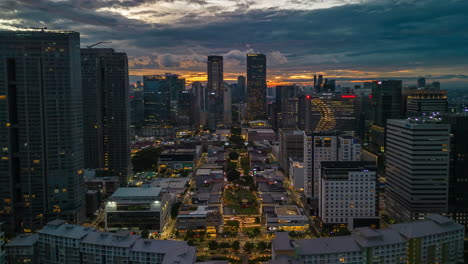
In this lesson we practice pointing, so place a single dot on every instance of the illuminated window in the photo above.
(36, 161)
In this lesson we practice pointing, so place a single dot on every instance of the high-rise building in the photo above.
(157, 101)
(41, 136)
(256, 86)
(458, 176)
(215, 74)
(320, 84)
(426, 102)
(347, 195)
(417, 167)
(106, 112)
(227, 105)
(200, 111)
(242, 88)
(215, 89)
(137, 106)
(286, 107)
(320, 147)
(291, 147)
(386, 101)
(185, 116)
(421, 83)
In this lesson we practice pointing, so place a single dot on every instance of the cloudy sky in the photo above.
(347, 40)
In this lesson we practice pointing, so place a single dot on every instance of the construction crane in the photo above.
(100, 42)
(41, 28)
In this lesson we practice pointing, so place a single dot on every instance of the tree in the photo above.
(231, 166)
(145, 233)
(247, 181)
(257, 220)
(256, 232)
(232, 175)
(245, 164)
(236, 141)
(212, 245)
(262, 245)
(249, 246)
(146, 159)
(233, 155)
(236, 245)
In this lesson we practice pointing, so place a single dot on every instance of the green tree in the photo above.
(212, 245)
(256, 232)
(236, 245)
(257, 220)
(233, 175)
(236, 141)
(249, 246)
(245, 164)
(145, 233)
(262, 245)
(233, 155)
(146, 159)
(233, 223)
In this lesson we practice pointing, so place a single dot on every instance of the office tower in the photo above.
(42, 164)
(435, 239)
(176, 85)
(291, 147)
(458, 176)
(227, 105)
(317, 148)
(349, 149)
(106, 112)
(426, 102)
(435, 85)
(320, 84)
(386, 101)
(286, 107)
(185, 113)
(157, 99)
(137, 106)
(215, 74)
(329, 112)
(242, 89)
(200, 110)
(417, 167)
(347, 195)
(315, 83)
(421, 84)
(256, 86)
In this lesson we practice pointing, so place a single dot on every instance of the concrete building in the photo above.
(202, 219)
(296, 174)
(215, 88)
(60, 243)
(387, 101)
(286, 218)
(41, 112)
(436, 239)
(347, 195)
(291, 146)
(256, 86)
(426, 102)
(261, 134)
(106, 112)
(177, 160)
(22, 249)
(146, 208)
(349, 149)
(417, 167)
(286, 107)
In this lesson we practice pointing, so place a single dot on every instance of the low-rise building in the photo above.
(22, 249)
(177, 160)
(145, 208)
(261, 134)
(201, 220)
(62, 243)
(286, 218)
(436, 239)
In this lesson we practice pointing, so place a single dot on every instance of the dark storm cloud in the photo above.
(372, 35)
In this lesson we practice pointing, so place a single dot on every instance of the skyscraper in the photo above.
(256, 86)
(387, 101)
(417, 167)
(157, 101)
(200, 94)
(215, 74)
(227, 105)
(106, 112)
(286, 107)
(41, 136)
(241, 88)
(426, 102)
(421, 83)
(215, 89)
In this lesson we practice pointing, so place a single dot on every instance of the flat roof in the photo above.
(23, 240)
(327, 245)
(61, 228)
(118, 239)
(128, 192)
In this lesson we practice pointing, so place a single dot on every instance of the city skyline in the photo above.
(298, 37)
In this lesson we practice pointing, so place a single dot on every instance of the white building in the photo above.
(417, 167)
(349, 149)
(347, 192)
(434, 240)
(325, 147)
(296, 173)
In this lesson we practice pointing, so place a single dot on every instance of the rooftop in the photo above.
(61, 228)
(23, 240)
(327, 245)
(129, 192)
(119, 239)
